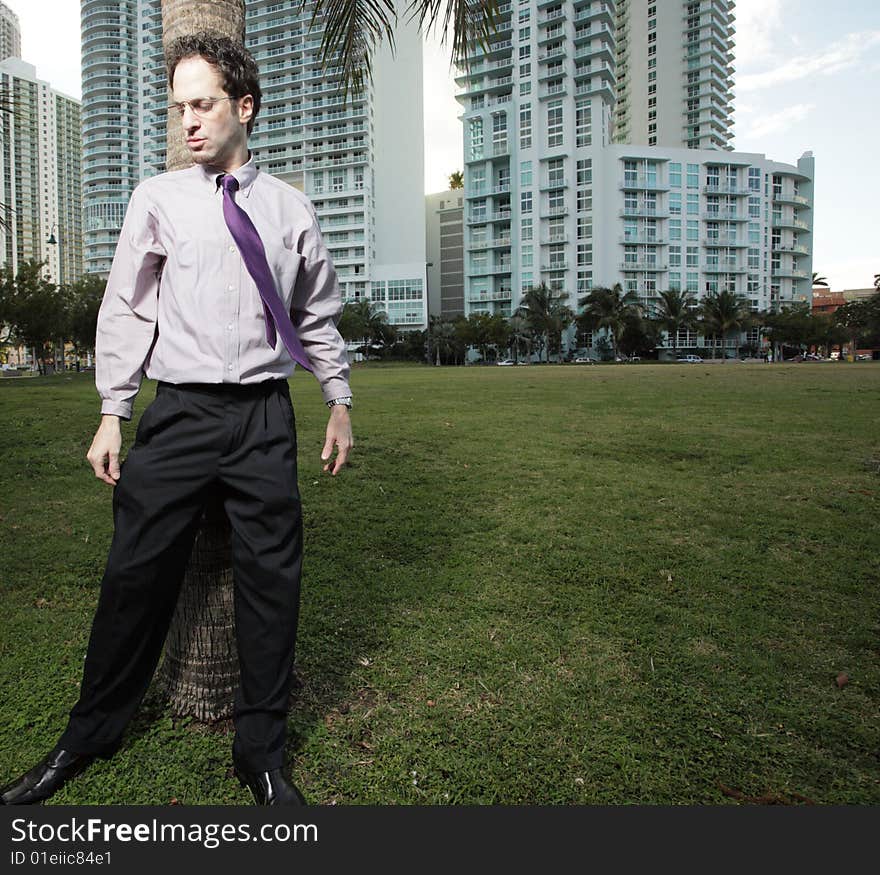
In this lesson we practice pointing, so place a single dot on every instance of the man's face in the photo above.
(219, 136)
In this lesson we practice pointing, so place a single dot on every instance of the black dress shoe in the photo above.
(49, 775)
(272, 787)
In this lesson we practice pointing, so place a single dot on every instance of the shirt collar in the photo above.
(246, 174)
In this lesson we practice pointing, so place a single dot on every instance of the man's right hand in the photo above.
(103, 454)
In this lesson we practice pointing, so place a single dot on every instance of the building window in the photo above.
(554, 123)
(525, 126)
(583, 123)
(525, 173)
(585, 171)
(525, 202)
(476, 138)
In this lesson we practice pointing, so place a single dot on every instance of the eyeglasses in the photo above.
(201, 106)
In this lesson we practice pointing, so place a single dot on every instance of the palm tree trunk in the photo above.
(199, 673)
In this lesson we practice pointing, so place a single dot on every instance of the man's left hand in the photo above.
(338, 433)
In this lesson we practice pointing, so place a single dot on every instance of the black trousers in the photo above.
(195, 441)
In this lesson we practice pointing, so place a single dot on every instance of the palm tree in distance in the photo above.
(722, 312)
(608, 308)
(676, 310)
(819, 280)
(877, 281)
(366, 321)
(456, 180)
(546, 313)
(520, 333)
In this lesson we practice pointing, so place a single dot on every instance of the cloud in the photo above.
(757, 22)
(840, 55)
(778, 120)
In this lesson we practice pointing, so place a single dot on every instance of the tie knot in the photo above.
(229, 182)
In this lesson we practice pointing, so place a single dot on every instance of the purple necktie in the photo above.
(254, 256)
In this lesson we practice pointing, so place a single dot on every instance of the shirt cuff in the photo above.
(335, 388)
(117, 408)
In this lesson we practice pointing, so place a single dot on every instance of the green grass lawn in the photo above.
(608, 584)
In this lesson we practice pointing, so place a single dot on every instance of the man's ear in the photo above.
(245, 108)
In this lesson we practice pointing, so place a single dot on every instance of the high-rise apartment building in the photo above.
(360, 162)
(111, 130)
(41, 185)
(674, 66)
(10, 34)
(550, 197)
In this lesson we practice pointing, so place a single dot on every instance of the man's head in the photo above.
(216, 91)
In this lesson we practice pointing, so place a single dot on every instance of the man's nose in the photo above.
(189, 118)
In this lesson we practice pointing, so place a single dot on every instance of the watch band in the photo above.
(345, 401)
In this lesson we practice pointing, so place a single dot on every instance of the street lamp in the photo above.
(53, 241)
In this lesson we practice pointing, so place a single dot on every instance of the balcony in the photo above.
(724, 216)
(648, 266)
(649, 212)
(737, 190)
(560, 182)
(631, 183)
(642, 241)
(724, 267)
(785, 198)
(780, 222)
(500, 295)
(724, 240)
(554, 265)
(800, 250)
(790, 272)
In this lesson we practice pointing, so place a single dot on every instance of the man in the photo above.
(220, 280)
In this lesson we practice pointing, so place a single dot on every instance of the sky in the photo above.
(807, 78)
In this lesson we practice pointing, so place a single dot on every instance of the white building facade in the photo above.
(40, 184)
(10, 33)
(551, 198)
(674, 66)
(361, 161)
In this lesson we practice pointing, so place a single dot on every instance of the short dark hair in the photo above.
(234, 62)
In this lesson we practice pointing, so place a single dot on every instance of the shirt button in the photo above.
(232, 249)
(229, 287)
(229, 327)
(229, 367)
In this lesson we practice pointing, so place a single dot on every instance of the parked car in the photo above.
(505, 362)
(690, 360)
(863, 357)
(583, 360)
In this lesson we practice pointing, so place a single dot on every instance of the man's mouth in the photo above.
(194, 141)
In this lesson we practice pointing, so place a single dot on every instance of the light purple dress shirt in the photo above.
(180, 305)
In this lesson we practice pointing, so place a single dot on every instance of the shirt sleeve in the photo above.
(127, 317)
(315, 311)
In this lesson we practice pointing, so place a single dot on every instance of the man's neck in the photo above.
(232, 164)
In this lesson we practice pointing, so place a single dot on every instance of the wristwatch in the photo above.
(345, 401)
